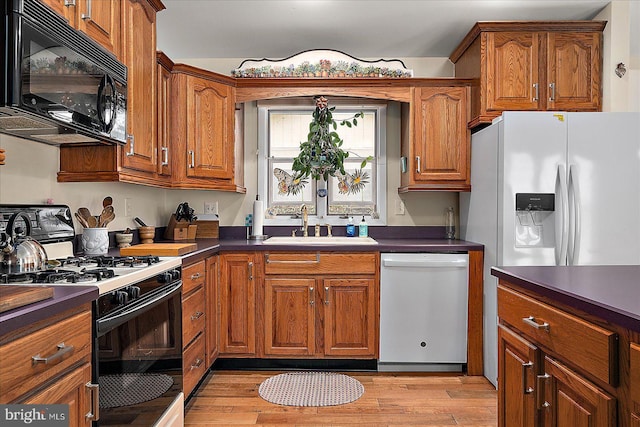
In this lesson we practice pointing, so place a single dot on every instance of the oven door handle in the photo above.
(107, 323)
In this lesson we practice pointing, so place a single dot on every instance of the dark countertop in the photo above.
(64, 298)
(609, 292)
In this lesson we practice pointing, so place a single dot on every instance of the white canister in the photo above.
(95, 241)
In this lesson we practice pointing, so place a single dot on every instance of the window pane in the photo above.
(342, 194)
(286, 131)
(281, 203)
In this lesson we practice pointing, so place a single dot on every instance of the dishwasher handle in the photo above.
(455, 263)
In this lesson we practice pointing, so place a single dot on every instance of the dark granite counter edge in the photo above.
(64, 298)
(598, 309)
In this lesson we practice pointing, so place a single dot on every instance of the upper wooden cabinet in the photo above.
(203, 131)
(436, 140)
(99, 19)
(531, 66)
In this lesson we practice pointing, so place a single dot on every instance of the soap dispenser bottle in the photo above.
(363, 228)
(351, 227)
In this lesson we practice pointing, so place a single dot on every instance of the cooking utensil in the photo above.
(92, 221)
(20, 253)
(139, 221)
(86, 214)
(108, 201)
(81, 220)
(106, 216)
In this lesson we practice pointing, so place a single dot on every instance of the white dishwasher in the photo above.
(423, 311)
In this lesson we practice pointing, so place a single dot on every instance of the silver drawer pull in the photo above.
(292, 261)
(525, 389)
(95, 402)
(62, 350)
(196, 276)
(197, 364)
(531, 321)
(196, 315)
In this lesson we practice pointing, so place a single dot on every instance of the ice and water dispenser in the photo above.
(535, 220)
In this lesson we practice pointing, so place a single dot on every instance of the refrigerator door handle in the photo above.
(574, 217)
(562, 232)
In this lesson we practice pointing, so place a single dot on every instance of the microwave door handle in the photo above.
(104, 105)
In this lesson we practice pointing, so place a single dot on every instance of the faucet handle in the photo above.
(293, 232)
(317, 230)
(328, 230)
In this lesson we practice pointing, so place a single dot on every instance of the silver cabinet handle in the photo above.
(196, 315)
(418, 168)
(132, 142)
(525, 389)
(87, 16)
(197, 364)
(62, 350)
(326, 295)
(192, 159)
(94, 414)
(536, 95)
(311, 298)
(195, 276)
(531, 321)
(165, 156)
(250, 265)
(552, 86)
(293, 261)
(68, 3)
(540, 382)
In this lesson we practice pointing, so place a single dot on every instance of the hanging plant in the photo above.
(321, 155)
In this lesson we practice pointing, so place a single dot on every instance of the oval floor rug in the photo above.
(310, 389)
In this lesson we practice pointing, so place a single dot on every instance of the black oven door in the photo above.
(138, 357)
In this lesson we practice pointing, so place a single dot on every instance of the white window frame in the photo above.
(321, 216)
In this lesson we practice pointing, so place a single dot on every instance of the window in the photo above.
(283, 124)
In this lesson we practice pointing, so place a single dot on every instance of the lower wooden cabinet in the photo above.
(547, 377)
(310, 311)
(194, 314)
(212, 303)
(634, 356)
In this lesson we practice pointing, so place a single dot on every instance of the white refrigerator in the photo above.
(552, 188)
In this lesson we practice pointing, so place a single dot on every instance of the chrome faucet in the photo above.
(305, 220)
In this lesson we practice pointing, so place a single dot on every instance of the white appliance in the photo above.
(552, 188)
(423, 311)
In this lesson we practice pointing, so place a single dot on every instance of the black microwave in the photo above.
(61, 87)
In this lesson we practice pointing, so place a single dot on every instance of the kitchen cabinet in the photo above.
(99, 19)
(436, 141)
(239, 273)
(312, 310)
(194, 315)
(531, 66)
(203, 131)
(634, 351)
(212, 303)
(63, 373)
(554, 368)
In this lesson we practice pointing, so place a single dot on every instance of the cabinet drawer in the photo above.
(193, 315)
(586, 345)
(64, 343)
(192, 276)
(193, 365)
(634, 355)
(320, 263)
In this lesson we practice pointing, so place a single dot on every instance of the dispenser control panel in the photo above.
(535, 202)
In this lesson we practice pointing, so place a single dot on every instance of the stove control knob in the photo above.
(164, 277)
(122, 297)
(134, 292)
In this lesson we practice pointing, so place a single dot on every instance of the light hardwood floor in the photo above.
(231, 398)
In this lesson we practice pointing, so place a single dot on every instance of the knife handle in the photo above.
(139, 221)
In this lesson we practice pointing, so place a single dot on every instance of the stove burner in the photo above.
(99, 273)
(59, 276)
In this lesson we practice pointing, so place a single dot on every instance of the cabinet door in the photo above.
(289, 316)
(100, 20)
(210, 133)
(157, 334)
(238, 304)
(139, 55)
(634, 373)
(69, 390)
(350, 314)
(573, 71)
(212, 301)
(572, 401)
(512, 74)
(164, 120)
(517, 361)
(441, 139)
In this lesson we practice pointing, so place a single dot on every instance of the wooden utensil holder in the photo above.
(180, 230)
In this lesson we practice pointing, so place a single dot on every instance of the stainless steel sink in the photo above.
(322, 240)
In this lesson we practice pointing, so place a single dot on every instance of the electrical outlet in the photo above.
(128, 207)
(211, 208)
(399, 207)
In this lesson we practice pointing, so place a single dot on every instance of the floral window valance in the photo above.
(321, 64)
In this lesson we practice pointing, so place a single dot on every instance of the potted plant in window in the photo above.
(321, 155)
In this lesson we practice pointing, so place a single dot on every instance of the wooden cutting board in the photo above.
(14, 296)
(159, 249)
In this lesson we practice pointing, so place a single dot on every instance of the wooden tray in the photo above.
(14, 296)
(159, 249)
